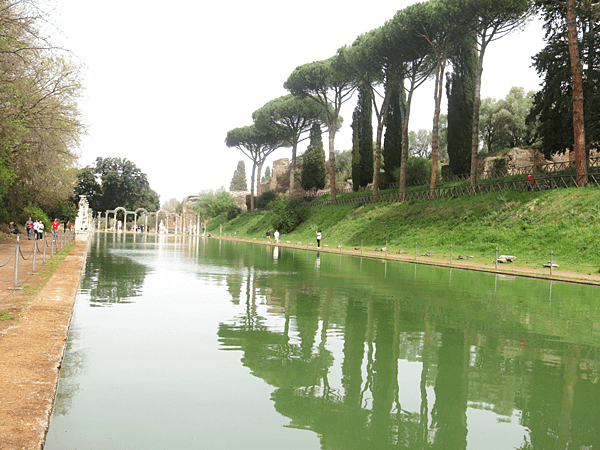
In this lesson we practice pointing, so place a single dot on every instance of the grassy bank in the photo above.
(528, 225)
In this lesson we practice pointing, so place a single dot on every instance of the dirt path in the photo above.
(33, 336)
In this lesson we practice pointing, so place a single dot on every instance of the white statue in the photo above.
(119, 226)
(83, 219)
(161, 228)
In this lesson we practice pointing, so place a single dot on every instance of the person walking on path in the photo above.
(268, 235)
(55, 227)
(276, 236)
(40, 232)
(29, 226)
(319, 239)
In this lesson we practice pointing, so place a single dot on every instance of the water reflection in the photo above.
(361, 353)
(499, 348)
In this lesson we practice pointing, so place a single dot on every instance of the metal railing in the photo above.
(61, 242)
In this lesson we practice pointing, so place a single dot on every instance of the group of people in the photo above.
(37, 228)
(276, 236)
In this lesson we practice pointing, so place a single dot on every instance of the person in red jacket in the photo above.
(55, 227)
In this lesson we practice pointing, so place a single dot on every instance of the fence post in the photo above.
(551, 260)
(16, 278)
(340, 246)
(361, 244)
(416, 244)
(44, 245)
(386, 249)
(450, 253)
(34, 256)
(496, 260)
(52, 248)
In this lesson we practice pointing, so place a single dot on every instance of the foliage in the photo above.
(503, 124)
(39, 87)
(417, 170)
(460, 90)
(392, 141)
(256, 143)
(263, 200)
(63, 210)
(288, 213)
(292, 115)
(362, 140)
(313, 162)
(212, 203)
(419, 143)
(553, 104)
(36, 213)
(343, 164)
(267, 176)
(173, 206)
(238, 181)
(113, 183)
(329, 83)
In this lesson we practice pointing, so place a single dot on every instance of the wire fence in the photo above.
(40, 249)
(538, 183)
(542, 169)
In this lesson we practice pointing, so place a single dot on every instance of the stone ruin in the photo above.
(84, 216)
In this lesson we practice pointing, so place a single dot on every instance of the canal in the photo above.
(188, 343)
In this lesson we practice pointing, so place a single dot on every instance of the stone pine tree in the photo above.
(461, 90)
(392, 140)
(314, 173)
(362, 140)
(238, 182)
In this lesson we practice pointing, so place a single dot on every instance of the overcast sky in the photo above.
(165, 81)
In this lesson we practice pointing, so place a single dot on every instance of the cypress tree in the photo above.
(362, 140)
(460, 89)
(313, 172)
(238, 182)
(392, 139)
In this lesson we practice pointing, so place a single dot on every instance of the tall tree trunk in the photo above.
(475, 131)
(435, 132)
(293, 168)
(252, 186)
(381, 121)
(405, 107)
(331, 162)
(259, 167)
(578, 118)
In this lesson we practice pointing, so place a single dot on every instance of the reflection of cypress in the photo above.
(385, 379)
(354, 348)
(307, 316)
(450, 409)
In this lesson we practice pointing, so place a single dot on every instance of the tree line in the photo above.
(40, 124)
(443, 40)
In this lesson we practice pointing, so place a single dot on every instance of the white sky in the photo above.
(165, 81)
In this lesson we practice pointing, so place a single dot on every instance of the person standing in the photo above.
(276, 236)
(319, 239)
(268, 235)
(55, 227)
(29, 226)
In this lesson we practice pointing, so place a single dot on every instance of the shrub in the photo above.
(263, 200)
(288, 213)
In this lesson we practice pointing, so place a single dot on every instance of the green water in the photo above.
(185, 343)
